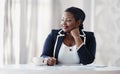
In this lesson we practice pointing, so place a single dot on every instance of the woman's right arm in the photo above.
(48, 47)
(48, 50)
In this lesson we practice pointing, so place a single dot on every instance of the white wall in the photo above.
(107, 31)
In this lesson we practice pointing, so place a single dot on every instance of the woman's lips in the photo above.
(65, 27)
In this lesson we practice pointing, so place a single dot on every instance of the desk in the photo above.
(33, 69)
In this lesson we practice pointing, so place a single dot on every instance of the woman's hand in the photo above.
(50, 61)
(76, 35)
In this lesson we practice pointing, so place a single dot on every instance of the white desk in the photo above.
(32, 69)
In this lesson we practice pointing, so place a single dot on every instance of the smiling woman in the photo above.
(70, 44)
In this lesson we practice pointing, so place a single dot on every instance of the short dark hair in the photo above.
(78, 14)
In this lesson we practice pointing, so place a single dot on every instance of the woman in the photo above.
(70, 44)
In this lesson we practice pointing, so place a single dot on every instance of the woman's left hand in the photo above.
(75, 33)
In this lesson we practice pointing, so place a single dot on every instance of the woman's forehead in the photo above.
(67, 15)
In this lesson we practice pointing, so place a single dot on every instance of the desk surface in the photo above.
(58, 69)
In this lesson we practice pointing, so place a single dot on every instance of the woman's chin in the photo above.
(64, 30)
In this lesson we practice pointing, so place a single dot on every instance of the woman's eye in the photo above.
(68, 20)
(63, 20)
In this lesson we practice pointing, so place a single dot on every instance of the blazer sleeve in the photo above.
(87, 51)
(48, 47)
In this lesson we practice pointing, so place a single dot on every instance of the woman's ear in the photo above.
(78, 23)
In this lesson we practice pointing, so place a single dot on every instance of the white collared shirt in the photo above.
(68, 55)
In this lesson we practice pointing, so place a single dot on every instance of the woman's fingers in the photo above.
(51, 61)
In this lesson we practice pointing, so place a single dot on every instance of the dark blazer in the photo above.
(86, 52)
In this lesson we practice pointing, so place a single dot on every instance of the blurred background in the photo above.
(24, 25)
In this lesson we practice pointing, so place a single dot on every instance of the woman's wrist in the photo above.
(78, 47)
(78, 41)
(76, 37)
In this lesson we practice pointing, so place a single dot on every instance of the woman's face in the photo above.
(68, 22)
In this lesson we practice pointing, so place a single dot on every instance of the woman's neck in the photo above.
(69, 40)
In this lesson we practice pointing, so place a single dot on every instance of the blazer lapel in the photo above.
(83, 35)
(58, 43)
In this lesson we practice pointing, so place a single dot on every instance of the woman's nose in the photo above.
(64, 23)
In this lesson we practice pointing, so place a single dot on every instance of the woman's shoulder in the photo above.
(55, 31)
(89, 33)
